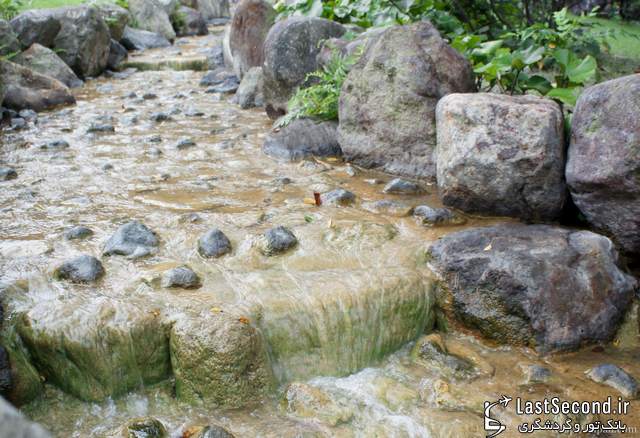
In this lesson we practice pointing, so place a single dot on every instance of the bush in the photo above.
(9, 8)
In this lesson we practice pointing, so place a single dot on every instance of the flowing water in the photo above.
(339, 312)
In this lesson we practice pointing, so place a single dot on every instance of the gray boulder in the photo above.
(214, 243)
(338, 197)
(132, 239)
(399, 186)
(117, 54)
(82, 269)
(78, 232)
(9, 43)
(430, 216)
(249, 93)
(45, 61)
(153, 16)
(26, 89)
(501, 155)
(83, 41)
(137, 39)
(13, 424)
(36, 26)
(290, 51)
(188, 22)
(388, 101)
(546, 287)
(249, 26)
(615, 377)
(116, 18)
(603, 165)
(303, 138)
(210, 9)
(182, 276)
(277, 241)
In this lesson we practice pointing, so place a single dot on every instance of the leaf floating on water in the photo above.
(244, 320)
(308, 219)
(309, 201)
(487, 248)
(216, 310)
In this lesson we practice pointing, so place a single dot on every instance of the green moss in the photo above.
(26, 381)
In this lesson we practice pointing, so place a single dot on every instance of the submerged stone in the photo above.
(399, 186)
(55, 145)
(214, 243)
(212, 431)
(431, 351)
(388, 207)
(182, 276)
(185, 143)
(7, 173)
(78, 232)
(338, 197)
(132, 239)
(83, 269)
(277, 240)
(306, 401)
(431, 216)
(615, 377)
(144, 427)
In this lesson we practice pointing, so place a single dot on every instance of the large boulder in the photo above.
(13, 424)
(36, 26)
(603, 166)
(388, 101)
(290, 55)
(250, 24)
(153, 16)
(219, 358)
(501, 155)
(209, 9)
(45, 61)
(83, 41)
(303, 138)
(25, 89)
(9, 43)
(137, 39)
(547, 287)
(116, 18)
(189, 22)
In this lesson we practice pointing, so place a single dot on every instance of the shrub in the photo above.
(9, 8)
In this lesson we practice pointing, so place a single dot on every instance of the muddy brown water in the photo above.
(344, 256)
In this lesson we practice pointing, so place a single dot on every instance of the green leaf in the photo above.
(567, 96)
(580, 72)
(538, 83)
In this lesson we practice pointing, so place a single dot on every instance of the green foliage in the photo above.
(123, 3)
(320, 99)
(9, 8)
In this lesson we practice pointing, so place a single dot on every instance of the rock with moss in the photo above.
(138, 39)
(603, 165)
(25, 383)
(188, 22)
(388, 100)
(116, 18)
(94, 348)
(45, 61)
(153, 16)
(219, 358)
(143, 427)
(9, 43)
(306, 401)
(36, 26)
(512, 283)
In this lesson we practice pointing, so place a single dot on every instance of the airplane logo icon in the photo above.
(492, 426)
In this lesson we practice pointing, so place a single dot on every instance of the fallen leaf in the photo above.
(216, 310)
(488, 247)
(244, 320)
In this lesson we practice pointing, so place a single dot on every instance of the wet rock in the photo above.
(213, 10)
(145, 427)
(149, 96)
(536, 374)
(160, 117)
(116, 18)
(501, 155)
(399, 186)
(46, 62)
(615, 377)
(193, 112)
(431, 351)
(215, 57)
(153, 16)
(338, 197)
(306, 401)
(216, 77)
(55, 145)
(212, 431)
(185, 143)
(190, 22)
(8, 39)
(36, 26)
(182, 276)
(29, 115)
(13, 424)
(228, 85)
(100, 127)
(602, 166)
(155, 139)
(26, 89)
(78, 232)
(83, 41)
(133, 239)
(82, 269)
(138, 39)
(290, 51)
(249, 94)
(388, 101)
(219, 358)
(277, 240)
(214, 243)
(18, 123)
(303, 138)
(5, 370)
(250, 24)
(430, 216)
(512, 284)
(389, 207)
(117, 54)
(7, 173)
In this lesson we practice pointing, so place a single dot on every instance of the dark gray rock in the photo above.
(18, 123)
(303, 138)
(277, 241)
(149, 96)
(9, 43)
(399, 186)
(45, 61)
(160, 117)
(55, 145)
(388, 100)
(214, 243)
(153, 16)
(7, 173)
(133, 239)
(5, 370)
(138, 39)
(430, 216)
(615, 377)
(82, 269)
(116, 18)
(389, 207)
(603, 166)
(249, 93)
(100, 127)
(36, 26)
(216, 77)
(182, 276)
(338, 197)
(117, 54)
(250, 24)
(14, 425)
(430, 351)
(189, 22)
(29, 115)
(290, 51)
(144, 427)
(78, 232)
(185, 143)
(501, 155)
(538, 285)
(229, 85)
(214, 431)
(215, 57)
(26, 89)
